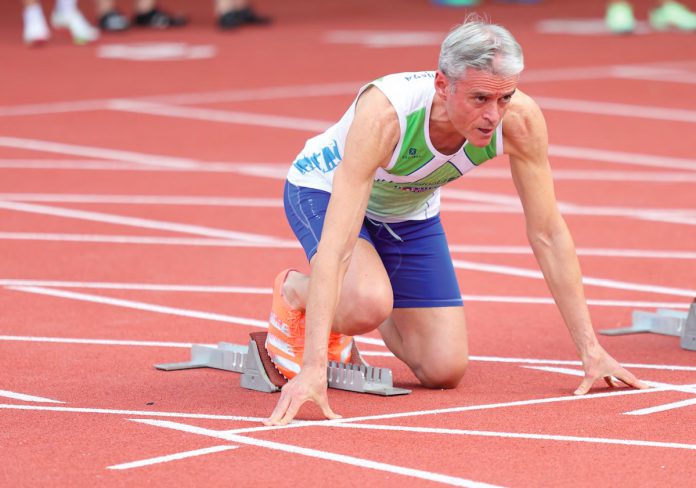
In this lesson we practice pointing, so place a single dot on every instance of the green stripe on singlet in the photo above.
(414, 153)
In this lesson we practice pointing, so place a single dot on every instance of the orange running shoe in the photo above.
(286, 334)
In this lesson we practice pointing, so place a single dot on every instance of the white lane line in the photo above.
(26, 398)
(140, 413)
(598, 72)
(495, 406)
(142, 306)
(384, 39)
(187, 345)
(600, 282)
(147, 240)
(567, 208)
(99, 342)
(245, 290)
(515, 435)
(224, 116)
(643, 411)
(267, 291)
(84, 165)
(279, 170)
(144, 199)
(267, 170)
(578, 363)
(153, 162)
(581, 251)
(96, 152)
(53, 108)
(138, 222)
(609, 175)
(149, 307)
(315, 453)
(171, 457)
(663, 408)
(590, 301)
(315, 125)
(417, 413)
(593, 175)
(242, 95)
(616, 109)
(579, 373)
(327, 89)
(511, 204)
(268, 93)
(212, 242)
(665, 216)
(621, 157)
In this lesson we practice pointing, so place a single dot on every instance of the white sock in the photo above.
(66, 5)
(33, 14)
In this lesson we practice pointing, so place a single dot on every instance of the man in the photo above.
(378, 253)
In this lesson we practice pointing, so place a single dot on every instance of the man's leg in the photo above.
(431, 341)
(427, 329)
(366, 296)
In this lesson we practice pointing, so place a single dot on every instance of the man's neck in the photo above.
(444, 137)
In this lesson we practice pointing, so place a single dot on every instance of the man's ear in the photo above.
(442, 85)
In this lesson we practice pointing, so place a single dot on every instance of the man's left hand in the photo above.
(599, 364)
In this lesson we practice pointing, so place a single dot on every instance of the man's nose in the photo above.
(492, 114)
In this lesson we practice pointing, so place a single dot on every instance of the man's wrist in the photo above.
(591, 350)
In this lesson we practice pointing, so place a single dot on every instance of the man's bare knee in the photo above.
(442, 373)
(363, 311)
(365, 315)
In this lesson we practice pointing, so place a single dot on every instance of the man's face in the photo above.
(477, 103)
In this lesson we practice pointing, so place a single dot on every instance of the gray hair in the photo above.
(480, 45)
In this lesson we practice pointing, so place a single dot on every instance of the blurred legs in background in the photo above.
(667, 14)
(65, 15)
(147, 13)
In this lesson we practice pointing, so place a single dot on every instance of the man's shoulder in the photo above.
(522, 118)
(524, 128)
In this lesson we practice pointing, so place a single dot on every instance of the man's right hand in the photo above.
(309, 385)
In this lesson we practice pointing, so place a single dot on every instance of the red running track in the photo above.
(126, 236)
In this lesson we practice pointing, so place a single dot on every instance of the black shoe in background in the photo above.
(113, 21)
(237, 18)
(251, 17)
(157, 19)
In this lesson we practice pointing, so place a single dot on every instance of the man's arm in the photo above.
(369, 144)
(526, 142)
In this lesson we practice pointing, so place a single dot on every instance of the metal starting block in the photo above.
(665, 322)
(258, 372)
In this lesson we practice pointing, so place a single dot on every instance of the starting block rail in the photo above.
(664, 322)
(259, 374)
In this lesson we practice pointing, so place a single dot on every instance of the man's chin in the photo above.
(481, 140)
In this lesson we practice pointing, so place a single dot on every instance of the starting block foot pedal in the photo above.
(229, 357)
(259, 373)
(664, 322)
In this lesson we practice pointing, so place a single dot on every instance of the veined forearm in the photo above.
(559, 264)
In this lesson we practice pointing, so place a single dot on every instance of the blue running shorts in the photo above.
(414, 253)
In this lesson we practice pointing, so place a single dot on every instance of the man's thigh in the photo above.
(417, 260)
